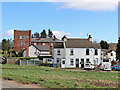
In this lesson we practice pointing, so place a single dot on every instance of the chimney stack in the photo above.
(90, 38)
(39, 38)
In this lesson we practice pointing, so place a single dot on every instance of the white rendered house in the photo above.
(38, 50)
(76, 52)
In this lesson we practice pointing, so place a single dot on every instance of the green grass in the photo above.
(59, 78)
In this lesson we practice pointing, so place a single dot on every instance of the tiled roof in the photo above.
(43, 47)
(58, 45)
(81, 43)
(45, 40)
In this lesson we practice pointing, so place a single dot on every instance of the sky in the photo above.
(74, 19)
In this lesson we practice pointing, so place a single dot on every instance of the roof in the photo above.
(45, 40)
(107, 51)
(58, 45)
(43, 47)
(81, 43)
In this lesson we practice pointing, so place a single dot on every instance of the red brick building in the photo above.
(22, 40)
(46, 41)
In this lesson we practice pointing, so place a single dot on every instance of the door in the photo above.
(82, 63)
(77, 63)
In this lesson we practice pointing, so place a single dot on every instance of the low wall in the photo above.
(14, 61)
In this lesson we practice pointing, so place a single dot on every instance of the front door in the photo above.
(82, 63)
(77, 63)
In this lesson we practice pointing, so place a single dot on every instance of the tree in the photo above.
(4, 45)
(43, 34)
(104, 45)
(118, 50)
(36, 35)
(50, 34)
(32, 36)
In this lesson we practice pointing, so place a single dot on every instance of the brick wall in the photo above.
(17, 40)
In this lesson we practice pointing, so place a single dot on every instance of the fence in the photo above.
(15, 61)
(29, 62)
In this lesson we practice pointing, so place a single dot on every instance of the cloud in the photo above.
(90, 5)
(9, 33)
(81, 34)
(60, 34)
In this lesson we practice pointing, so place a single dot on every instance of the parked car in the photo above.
(106, 64)
(89, 66)
(116, 67)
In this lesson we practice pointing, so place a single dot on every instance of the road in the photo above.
(13, 84)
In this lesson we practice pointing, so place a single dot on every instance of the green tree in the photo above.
(104, 45)
(36, 35)
(50, 34)
(32, 36)
(4, 45)
(118, 50)
(43, 34)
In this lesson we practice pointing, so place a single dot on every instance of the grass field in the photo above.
(59, 78)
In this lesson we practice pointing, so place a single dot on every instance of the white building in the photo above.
(76, 52)
(111, 54)
(38, 50)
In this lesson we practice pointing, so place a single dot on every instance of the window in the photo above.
(22, 37)
(87, 60)
(49, 60)
(51, 44)
(58, 52)
(58, 60)
(87, 51)
(71, 62)
(43, 44)
(63, 62)
(27, 36)
(111, 54)
(22, 43)
(71, 52)
(35, 43)
(96, 52)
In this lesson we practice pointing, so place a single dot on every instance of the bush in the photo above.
(41, 63)
(46, 63)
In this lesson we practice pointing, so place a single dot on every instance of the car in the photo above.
(116, 67)
(106, 64)
(89, 66)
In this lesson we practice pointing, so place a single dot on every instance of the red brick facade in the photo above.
(22, 39)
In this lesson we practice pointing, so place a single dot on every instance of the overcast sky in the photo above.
(75, 19)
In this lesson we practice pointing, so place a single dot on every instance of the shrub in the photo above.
(41, 63)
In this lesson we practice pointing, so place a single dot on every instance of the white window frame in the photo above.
(72, 62)
(72, 51)
(59, 52)
(22, 37)
(22, 44)
(43, 43)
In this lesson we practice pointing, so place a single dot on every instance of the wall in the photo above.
(17, 41)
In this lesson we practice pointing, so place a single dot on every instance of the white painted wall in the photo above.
(33, 52)
(113, 58)
(79, 53)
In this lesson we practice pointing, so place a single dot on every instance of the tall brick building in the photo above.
(22, 39)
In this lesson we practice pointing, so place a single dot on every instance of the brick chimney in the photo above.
(55, 38)
(90, 38)
(64, 38)
(39, 38)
